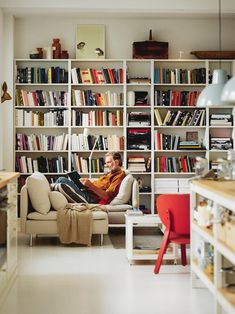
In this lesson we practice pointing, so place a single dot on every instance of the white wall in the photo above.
(182, 34)
(1, 80)
(182, 6)
(8, 106)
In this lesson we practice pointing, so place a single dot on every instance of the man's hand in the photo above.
(87, 183)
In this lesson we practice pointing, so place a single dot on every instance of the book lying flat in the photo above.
(146, 251)
(75, 177)
(133, 212)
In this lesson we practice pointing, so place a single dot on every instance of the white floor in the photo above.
(55, 279)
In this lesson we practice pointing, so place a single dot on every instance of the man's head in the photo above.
(113, 161)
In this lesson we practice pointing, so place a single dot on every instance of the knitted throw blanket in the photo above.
(74, 222)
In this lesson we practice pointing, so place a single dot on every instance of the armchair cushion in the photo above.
(39, 189)
(125, 190)
(58, 200)
(51, 215)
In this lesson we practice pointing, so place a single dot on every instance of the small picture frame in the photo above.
(192, 136)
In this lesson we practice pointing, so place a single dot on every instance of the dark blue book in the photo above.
(75, 177)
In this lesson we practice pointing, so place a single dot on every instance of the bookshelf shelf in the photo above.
(41, 127)
(42, 84)
(180, 173)
(126, 77)
(98, 85)
(169, 84)
(41, 107)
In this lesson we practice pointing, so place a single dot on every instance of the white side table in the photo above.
(141, 221)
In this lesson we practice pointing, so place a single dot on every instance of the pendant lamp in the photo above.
(211, 94)
(228, 92)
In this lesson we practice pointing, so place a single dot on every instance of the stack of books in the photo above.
(218, 119)
(221, 143)
(134, 212)
(136, 164)
(139, 118)
(189, 145)
(139, 139)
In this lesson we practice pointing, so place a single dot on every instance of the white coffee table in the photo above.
(142, 221)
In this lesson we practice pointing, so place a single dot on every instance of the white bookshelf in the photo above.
(222, 196)
(131, 68)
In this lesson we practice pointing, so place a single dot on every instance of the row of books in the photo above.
(166, 141)
(94, 76)
(41, 98)
(220, 119)
(97, 118)
(26, 164)
(81, 142)
(54, 117)
(41, 142)
(179, 164)
(181, 118)
(221, 143)
(175, 98)
(35, 75)
(179, 76)
(139, 139)
(81, 98)
(139, 164)
(81, 164)
(138, 118)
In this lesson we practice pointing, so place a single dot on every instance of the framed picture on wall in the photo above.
(90, 41)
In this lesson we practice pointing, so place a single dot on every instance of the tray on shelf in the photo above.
(214, 54)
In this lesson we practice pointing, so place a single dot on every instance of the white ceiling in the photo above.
(120, 8)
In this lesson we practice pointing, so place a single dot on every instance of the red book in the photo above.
(100, 76)
(94, 76)
(111, 77)
(121, 76)
(35, 101)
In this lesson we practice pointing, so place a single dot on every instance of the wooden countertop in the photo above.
(6, 177)
(225, 189)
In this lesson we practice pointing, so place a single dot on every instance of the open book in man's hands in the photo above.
(75, 177)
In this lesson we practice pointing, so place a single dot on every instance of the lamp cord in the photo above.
(220, 38)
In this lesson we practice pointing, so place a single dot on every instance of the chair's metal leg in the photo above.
(101, 239)
(31, 239)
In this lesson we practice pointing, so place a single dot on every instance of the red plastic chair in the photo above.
(174, 212)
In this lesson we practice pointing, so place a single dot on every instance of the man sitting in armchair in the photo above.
(102, 190)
